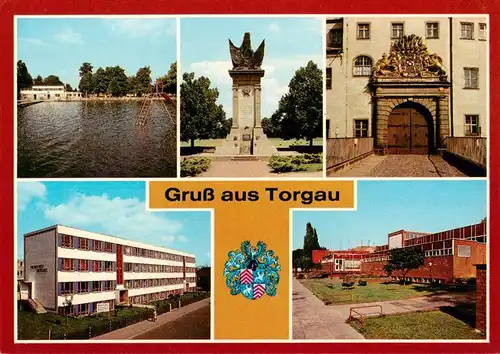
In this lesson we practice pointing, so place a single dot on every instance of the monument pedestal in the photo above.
(246, 136)
(240, 142)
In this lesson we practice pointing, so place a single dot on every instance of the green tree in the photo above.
(38, 81)
(143, 80)
(52, 80)
(300, 111)
(310, 240)
(169, 81)
(201, 117)
(68, 88)
(85, 85)
(404, 260)
(270, 129)
(100, 82)
(132, 85)
(86, 68)
(24, 79)
(118, 81)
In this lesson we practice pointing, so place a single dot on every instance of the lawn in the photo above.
(416, 325)
(314, 167)
(279, 143)
(330, 291)
(36, 326)
(203, 143)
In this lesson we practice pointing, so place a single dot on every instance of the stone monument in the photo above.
(246, 136)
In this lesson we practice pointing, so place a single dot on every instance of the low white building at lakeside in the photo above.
(46, 93)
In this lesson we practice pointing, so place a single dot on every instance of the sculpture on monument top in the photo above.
(243, 57)
(409, 58)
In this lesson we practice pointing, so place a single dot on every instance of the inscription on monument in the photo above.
(246, 108)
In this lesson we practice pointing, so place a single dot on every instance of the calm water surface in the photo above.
(95, 139)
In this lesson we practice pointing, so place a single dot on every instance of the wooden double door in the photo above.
(408, 132)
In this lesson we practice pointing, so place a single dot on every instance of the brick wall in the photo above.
(441, 268)
(481, 297)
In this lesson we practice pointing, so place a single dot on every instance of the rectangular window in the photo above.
(83, 265)
(128, 267)
(463, 251)
(67, 241)
(66, 288)
(466, 30)
(84, 244)
(335, 38)
(97, 246)
(84, 309)
(67, 264)
(397, 30)
(471, 125)
(363, 31)
(108, 266)
(83, 287)
(471, 78)
(483, 32)
(96, 286)
(97, 266)
(432, 30)
(108, 247)
(328, 78)
(107, 285)
(361, 128)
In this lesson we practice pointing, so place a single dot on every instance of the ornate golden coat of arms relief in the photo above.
(409, 57)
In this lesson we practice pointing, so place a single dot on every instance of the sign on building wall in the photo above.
(24, 295)
(102, 307)
(396, 241)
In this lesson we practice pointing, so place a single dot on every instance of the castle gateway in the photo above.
(410, 99)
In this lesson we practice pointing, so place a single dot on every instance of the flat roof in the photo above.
(112, 239)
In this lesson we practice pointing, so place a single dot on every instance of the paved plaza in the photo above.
(400, 166)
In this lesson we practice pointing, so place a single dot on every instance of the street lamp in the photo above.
(430, 266)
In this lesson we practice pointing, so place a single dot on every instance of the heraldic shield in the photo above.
(252, 271)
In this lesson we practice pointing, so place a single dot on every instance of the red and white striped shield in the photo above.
(246, 276)
(258, 291)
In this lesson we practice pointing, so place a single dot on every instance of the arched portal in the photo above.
(410, 130)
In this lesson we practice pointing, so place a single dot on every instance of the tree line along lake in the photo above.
(95, 139)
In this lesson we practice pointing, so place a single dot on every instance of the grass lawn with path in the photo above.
(330, 291)
(416, 325)
(36, 326)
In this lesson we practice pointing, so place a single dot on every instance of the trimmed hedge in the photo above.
(194, 166)
(293, 163)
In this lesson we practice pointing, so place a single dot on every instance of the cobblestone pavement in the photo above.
(400, 166)
(249, 169)
(312, 319)
(191, 321)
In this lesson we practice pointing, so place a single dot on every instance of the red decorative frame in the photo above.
(10, 8)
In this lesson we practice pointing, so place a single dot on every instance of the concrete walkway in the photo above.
(132, 331)
(312, 319)
(361, 168)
